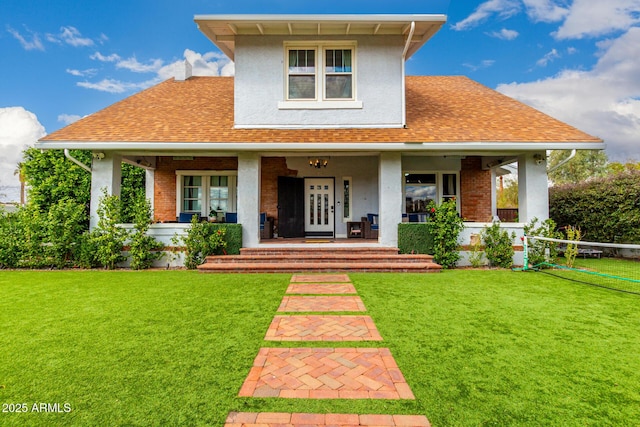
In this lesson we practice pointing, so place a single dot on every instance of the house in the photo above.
(319, 127)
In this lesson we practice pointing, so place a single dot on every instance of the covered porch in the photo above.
(388, 185)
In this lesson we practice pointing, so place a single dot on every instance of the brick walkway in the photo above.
(323, 373)
(322, 328)
(262, 419)
(321, 288)
(326, 373)
(321, 304)
(320, 278)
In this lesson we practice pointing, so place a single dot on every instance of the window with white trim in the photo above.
(208, 193)
(422, 188)
(320, 71)
(347, 190)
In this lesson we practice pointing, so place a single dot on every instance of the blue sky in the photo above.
(577, 60)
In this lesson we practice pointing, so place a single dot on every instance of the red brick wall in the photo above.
(272, 168)
(475, 191)
(165, 180)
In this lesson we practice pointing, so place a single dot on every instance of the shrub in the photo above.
(570, 254)
(108, 237)
(476, 254)
(606, 210)
(498, 245)
(66, 222)
(202, 240)
(10, 234)
(446, 225)
(144, 249)
(232, 236)
(539, 251)
(415, 238)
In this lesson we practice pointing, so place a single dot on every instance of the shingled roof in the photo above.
(439, 109)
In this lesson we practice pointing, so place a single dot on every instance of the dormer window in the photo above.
(320, 75)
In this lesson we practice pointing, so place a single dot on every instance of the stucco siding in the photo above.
(260, 85)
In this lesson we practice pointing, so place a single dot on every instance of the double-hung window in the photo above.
(207, 193)
(320, 73)
(421, 189)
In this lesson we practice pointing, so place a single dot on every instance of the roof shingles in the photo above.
(439, 109)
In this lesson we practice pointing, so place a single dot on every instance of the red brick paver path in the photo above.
(326, 373)
(321, 288)
(264, 419)
(320, 278)
(322, 328)
(321, 304)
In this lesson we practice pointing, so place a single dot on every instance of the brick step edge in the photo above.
(324, 267)
(298, 250)
(318, 258)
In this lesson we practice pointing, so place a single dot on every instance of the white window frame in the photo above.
(321, 101)
(439, 185)
(206, 175)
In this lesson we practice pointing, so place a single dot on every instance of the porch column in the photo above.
(249, 198)
(149, 184)
(390, 198)
(533, 188)
(106, 173)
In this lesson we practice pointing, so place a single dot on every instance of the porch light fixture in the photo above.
(318, 163)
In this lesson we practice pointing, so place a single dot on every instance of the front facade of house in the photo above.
(319, 128)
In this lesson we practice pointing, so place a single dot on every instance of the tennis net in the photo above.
(607, 265)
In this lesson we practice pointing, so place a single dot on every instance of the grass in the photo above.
(174, 347)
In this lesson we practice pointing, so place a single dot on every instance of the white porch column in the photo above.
(390, 198)
(249, 198)
(149, 183)
(533, 188)
(106, 173)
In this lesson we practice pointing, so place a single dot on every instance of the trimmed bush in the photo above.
(498, 245)
(606, 210)
(233, 236)
(416, 238)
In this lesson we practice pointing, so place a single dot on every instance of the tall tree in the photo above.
(586, 165)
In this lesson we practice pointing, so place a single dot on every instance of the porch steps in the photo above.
(315, 259)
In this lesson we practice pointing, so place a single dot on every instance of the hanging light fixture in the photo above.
(318, 163)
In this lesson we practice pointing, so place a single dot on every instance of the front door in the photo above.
(290, 206)
(319, 217)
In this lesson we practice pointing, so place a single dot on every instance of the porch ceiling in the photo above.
(223, 29)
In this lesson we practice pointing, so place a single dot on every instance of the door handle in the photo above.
(331, 209)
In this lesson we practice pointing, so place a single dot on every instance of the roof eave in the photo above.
(314, 146)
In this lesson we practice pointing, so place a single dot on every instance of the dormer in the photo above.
(319, 71)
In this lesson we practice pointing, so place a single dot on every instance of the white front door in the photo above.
(318, 209)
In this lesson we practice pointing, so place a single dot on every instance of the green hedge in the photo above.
(415, 238)
(233, 236)
(606, 210)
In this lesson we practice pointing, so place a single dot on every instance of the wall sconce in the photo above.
(98, 155)
(539, 159)
(318, 163)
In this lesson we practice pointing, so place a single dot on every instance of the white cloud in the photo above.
(132, 64)
(67, 119)
(604, 101)
(109, 58)
(588, 18)
(572, 50)
(483, 64)
(33, 44)
(502, 8)
(505, 34)
(90, 72)
(71, 36)
(549, 57)
(115, 86)
(545, 10)
(19, 129)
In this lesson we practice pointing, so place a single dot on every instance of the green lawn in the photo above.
(174, 347)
